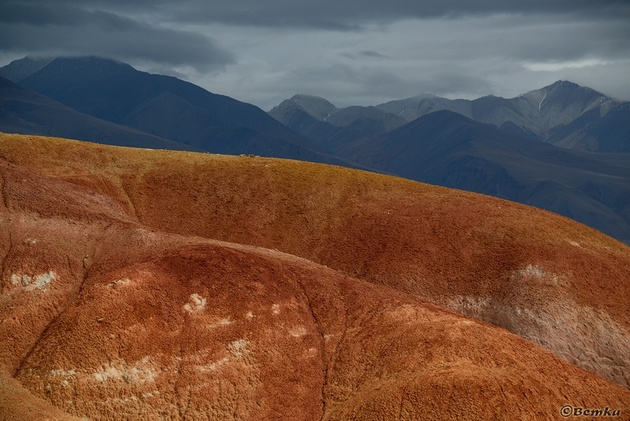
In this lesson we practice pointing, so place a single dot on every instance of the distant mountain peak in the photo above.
(565, 86)
(318, 107)
(425, 96)
(24, 67)
(310, 101)
(88, 64)
(64, 68)
(565, 83)
(563, 95)
(307, 97)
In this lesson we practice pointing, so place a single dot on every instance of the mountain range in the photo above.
(564, 147)
(153, 284)
(561, 114)
(155, 105)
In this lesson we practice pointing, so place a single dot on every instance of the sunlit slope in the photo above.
(551, 280)
(105, 318)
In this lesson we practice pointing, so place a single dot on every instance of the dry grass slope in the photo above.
(150, 284)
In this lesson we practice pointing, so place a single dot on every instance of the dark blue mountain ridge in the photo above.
(449, 149)
(557, 113)
(537, 114)
(596, 133)
(328, 126)
(19, 69)
(168, 108)
(27, 112)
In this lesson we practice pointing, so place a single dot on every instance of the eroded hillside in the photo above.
(134, 285)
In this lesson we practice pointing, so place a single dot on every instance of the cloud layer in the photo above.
(346, 51)
(46, 28)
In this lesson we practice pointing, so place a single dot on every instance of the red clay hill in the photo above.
(142, 284)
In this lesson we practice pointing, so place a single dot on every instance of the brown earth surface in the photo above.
(142, 284)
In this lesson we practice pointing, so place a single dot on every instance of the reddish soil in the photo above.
(118, 302)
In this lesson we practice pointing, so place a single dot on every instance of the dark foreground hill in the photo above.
(134, 284)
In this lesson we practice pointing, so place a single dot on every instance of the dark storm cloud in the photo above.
(349, 51)
(536, 39)
(62, 29)
(146, 28)
(341, 14)
(351, 14)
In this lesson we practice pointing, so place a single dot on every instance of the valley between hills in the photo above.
(156, 284)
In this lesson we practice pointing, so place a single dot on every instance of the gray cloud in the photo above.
(370, 53)
(68, 30)
(364, 54)
(350, 14)
(347, 51)
(340, 14)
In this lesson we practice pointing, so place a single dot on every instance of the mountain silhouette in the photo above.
(166, 107)
(535, 115)
(25, 111)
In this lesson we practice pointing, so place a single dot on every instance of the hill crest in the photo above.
(139, 283)
(523, 269)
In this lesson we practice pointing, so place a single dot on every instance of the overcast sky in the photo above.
(348, 51)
